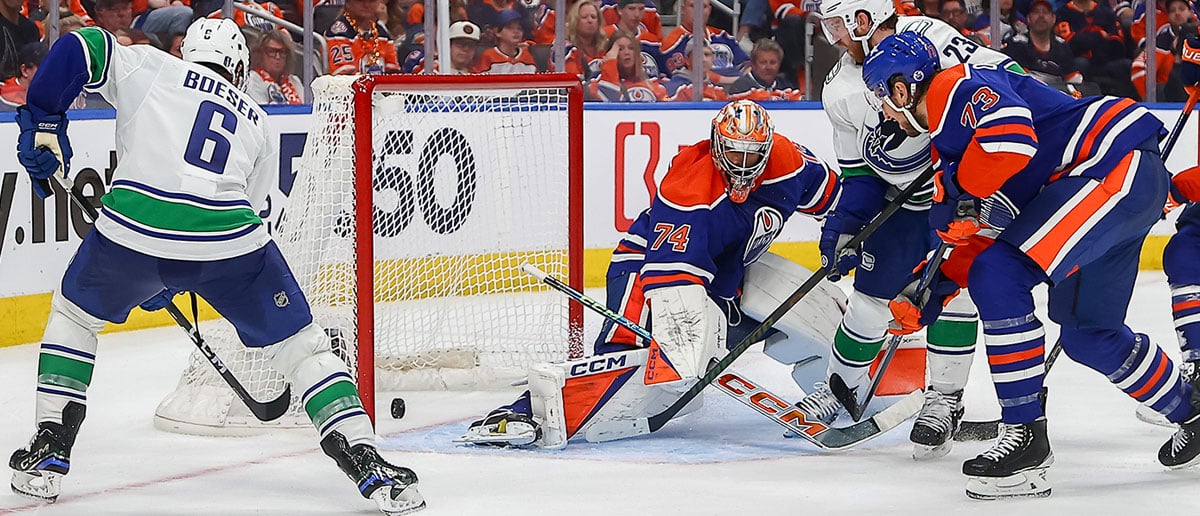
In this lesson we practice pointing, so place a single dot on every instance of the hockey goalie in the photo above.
(693, 269)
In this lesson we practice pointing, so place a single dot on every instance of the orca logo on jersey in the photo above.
(768, 222)
(889, 151)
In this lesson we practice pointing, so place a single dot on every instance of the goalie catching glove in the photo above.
(42, 147)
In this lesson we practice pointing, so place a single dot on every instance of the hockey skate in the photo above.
(38, 469)
(503, 428)
(1014, 467)
(392, 488)
(936, 424)
(1183, 450)
(819, 405)
(1190, 372)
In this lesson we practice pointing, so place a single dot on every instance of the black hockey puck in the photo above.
(397, 408)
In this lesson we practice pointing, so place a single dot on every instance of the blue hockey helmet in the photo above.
(908, 54)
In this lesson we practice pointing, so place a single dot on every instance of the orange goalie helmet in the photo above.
(742, 135)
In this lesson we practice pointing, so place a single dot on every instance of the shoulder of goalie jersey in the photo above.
(693, 181)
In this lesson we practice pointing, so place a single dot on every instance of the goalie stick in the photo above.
(745, 391)
(264, 411)
(658, 420)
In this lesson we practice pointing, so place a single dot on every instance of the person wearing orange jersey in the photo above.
(358, 43)
(509, 55)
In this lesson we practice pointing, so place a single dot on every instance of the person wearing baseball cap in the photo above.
(29, 58)
(1042, 52)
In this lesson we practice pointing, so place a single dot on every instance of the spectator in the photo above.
(791, 16)
(1040, 51)
(680, 86)
(1137, 22)
(114, 15)
(763, 80)
(464, 40)
(68, 22)
(1011, 22)
(629, 19)
(271, 81)
(585, 40)
(510, 55)
(15, 32)
(486, 14)
(243, 19)
(729, 59)
(405, 19)
(610, 13)
(1168, 44)
(165, 27)
(955, 14)
(622, 78)
(12, 91)
(930, 8)
(754, 24)
(1090, 28)
(358, 43)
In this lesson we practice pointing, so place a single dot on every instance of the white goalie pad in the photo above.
(808, 328)
(568, 398)
(688, 327)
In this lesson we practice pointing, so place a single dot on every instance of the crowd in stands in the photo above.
(620, 49)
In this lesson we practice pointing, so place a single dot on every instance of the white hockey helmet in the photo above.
(839, 16)
(220, 42)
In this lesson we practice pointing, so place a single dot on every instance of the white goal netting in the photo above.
(467, 185)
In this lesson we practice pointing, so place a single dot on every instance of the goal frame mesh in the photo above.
(363, 89)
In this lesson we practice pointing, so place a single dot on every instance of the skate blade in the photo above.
(1028, 483)
(922, 452)
(1148, 415)
(38, 485)
(498, 439)
(396, 500)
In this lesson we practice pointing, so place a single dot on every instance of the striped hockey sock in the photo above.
(950, 344)
(1185, 309)
(1151, 377)
(1016, 349)
(66, 360)
(852, 355)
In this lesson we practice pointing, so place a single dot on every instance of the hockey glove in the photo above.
(1189, 66)
(835, 256)
(159, 301)
(42, 147)
(912, 310)
(1185, 186)
(955, 213)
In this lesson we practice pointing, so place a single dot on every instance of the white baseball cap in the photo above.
(464, 29)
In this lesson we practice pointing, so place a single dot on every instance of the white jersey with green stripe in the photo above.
(194, 158)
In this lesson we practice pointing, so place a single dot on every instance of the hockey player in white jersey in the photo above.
(877, 160)
(195, 164)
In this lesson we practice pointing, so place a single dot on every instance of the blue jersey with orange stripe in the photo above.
(693, 233)
(1003, 128)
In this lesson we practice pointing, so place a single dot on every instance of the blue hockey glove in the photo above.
(159, 301)
(835, 256)
(954, 213)
(42, 147)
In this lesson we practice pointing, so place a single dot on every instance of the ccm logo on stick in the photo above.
(599, 364)
(768, 404)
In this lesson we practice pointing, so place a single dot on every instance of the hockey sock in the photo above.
(328, 392)
(1138, 367)
(66, 359)
(1185, 308)
(859, 338)
(1016, 349)
(951, 345)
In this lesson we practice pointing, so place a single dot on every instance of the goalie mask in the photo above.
(907, 57)
(742, 135)
(840, 18)
(220, 42)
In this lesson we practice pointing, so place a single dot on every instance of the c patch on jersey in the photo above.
(768, 222)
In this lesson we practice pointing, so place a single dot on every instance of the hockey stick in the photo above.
(718, 366)
(839, 387)
(264, 411)
(745, 391)
(1193, 97)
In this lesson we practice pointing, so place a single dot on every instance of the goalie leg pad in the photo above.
(66, 359)
(568, 398)
(327, 391)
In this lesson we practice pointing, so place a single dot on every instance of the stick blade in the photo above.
(273, 409)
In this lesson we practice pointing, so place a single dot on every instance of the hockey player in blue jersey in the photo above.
(1072, 187)
(182, 215)
(694, 270)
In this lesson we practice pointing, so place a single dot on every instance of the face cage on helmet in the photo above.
(741, 178)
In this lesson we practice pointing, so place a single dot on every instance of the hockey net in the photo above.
(412, 266)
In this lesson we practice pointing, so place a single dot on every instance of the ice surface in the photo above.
(724, 459)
